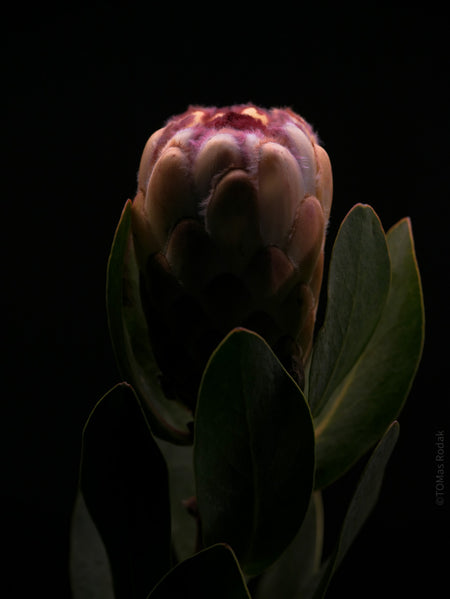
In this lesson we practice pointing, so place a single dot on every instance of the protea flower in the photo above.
(229, 224)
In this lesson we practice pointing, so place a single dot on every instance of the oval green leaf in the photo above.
(214, 572)
(373, 392)
(129, 334)
(253, 452)
(123, 479)
(358, 285)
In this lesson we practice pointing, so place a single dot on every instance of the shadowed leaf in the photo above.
(363, 501)
(288, 577)
(90, 573)
(130, 339)
(123, 480)
(253, 451)
(213, 572)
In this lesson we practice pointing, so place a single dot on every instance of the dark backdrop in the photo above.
(84, 88)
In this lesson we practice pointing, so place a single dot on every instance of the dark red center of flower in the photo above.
(236, 120)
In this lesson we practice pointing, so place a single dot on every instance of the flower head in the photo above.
(229, 224)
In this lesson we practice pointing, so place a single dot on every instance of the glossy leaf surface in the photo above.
(123, 480)
(253, 451)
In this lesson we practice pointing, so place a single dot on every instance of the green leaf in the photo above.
(129, 334)
(213, 572)
(288, 577)
(123, 479)
(374, 389)
(361, 505)
(358, 284)
(253, 452)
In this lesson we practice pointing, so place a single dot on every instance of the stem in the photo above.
(192, 509)
(318, 505)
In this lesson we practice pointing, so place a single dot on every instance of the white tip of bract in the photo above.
(306, 241)
(169, 196)
(324, 183)
(148, 159)
(281, 188)
(220, 153)
(305, 155)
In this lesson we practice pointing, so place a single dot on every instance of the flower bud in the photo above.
(229, 225)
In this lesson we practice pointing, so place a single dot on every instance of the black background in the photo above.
(84, 88)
